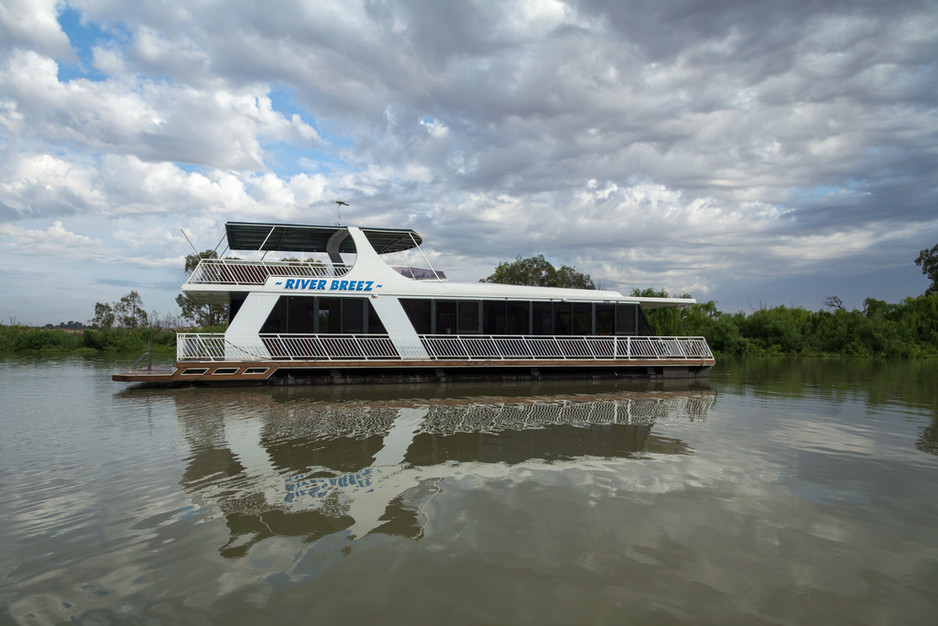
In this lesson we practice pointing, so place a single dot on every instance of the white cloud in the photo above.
(694, 149)
(32, 24)
(150, 119)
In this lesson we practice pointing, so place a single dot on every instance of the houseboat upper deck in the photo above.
(330, 320)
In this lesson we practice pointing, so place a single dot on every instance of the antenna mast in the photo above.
(338, 210)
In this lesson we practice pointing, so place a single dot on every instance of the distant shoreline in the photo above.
(89, 341)
(727, 335)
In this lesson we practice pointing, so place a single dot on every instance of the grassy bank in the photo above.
(123, 341)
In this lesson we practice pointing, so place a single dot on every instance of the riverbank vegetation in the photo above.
(905, 330)
(117, 328)
(908, 329)
(90, 341)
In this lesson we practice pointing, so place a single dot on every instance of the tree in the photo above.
(928, 261)
(834, 302)
(199, 313)
(103, 315)
(666, 321)
(537, 271)
(129, 311)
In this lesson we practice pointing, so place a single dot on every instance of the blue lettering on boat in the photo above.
(313, 284)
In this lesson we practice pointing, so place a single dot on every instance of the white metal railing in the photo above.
(293, 347)
(243, 272)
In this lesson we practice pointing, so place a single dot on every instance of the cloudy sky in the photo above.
(753, 153)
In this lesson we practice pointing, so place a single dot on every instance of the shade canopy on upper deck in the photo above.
(310, 238)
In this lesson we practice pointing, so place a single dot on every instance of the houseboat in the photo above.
(347, 315)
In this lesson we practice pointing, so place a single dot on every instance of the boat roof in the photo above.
(312, 238)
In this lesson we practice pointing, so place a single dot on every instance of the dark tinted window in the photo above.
(542, 318)
(605, 319)
(375, 327)
(418, 311)
(626, 319)
(581, 318)
(494, 321)
(301, 314)
(276, 322)
(518, 316)
(330, 316)
(468, 317)
(353, 316)
(445, 317)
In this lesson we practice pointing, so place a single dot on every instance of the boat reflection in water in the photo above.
(281, 465)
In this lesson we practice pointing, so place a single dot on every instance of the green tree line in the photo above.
(20, 339)
(908, 329)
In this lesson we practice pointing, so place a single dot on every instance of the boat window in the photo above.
(276, 322)
(562, 318)
(501, 317)
(444, 317)
(309, 314)
(518, 318)
(626, 319)
(353, 315)
(301, 314)
(631, 320)
(581, 318)
(494, 321)
(329, 318)
(542, 318)
(468, 317)
(605, 319)
(374, 324)
(235, 301)
(418, 311)
(644, 326)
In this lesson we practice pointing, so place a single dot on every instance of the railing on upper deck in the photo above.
(290, 347)
(243, 272)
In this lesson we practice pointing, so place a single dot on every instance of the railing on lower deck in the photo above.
(291, 347)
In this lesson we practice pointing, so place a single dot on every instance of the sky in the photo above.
(752, 153)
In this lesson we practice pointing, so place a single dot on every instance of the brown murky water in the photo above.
(782, 492)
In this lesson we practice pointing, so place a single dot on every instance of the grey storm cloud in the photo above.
(719, 148)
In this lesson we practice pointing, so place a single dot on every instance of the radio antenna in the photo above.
(338, 209)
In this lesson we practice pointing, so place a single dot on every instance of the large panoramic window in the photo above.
(312, 314)
(500, 317)
(443, 317)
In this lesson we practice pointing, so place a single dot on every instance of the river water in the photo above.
(779, 492)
